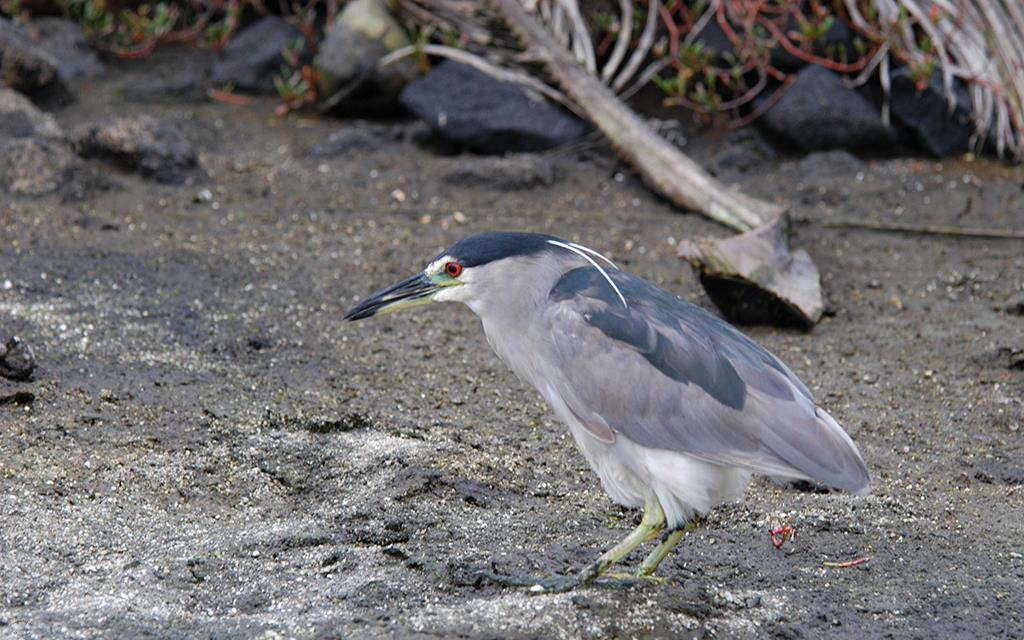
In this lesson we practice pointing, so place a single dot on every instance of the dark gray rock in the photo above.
(24, 65)
(743, 150)
(486, 115)
(927, 116)
(819, 112)
(834, 161)
(19, 118)
(1015, 305)
(35, 158)
(1006, 356)
(508, 173)
(996, 472)
(37, 166)
(17, 361)
(363, 33)
(34, 166)
(183, 85)
(253, 57)
(66, 42)
(343, 141)
(158, 150)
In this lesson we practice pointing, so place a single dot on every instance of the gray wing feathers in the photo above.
(678, 378)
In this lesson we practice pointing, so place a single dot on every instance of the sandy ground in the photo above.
(212, 452)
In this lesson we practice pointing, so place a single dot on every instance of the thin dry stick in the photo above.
(621, 42)
(643, 47)
(582, 45)
(926, 229)
(475, 61)
(446, 17)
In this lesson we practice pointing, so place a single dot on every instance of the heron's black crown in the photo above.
(494, 245)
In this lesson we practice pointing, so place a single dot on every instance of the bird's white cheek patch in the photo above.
(450, 294)
(454, 293)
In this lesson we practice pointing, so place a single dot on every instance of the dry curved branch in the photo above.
(478, 63)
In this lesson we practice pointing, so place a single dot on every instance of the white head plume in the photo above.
(582, 251)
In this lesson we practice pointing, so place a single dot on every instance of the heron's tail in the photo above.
(852, 473)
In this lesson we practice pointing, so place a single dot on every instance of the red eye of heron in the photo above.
(454, 269)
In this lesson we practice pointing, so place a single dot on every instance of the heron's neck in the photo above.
(513, 310)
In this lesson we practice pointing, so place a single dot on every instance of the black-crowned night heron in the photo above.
(673, 408)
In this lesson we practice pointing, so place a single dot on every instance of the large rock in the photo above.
(17, 361)
(834, 162)
(187, 84)
(66, 42)
(363, 33)
(157, 150)
(926, 114)
(35, 167)
(485, 115)
(253, 58)
(819, 112)
(740, 151)
(24, 65)
(19, 118)
(34, 159)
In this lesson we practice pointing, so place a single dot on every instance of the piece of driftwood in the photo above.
(755, 279)
(684, 183)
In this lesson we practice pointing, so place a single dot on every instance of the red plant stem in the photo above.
(847, 564)
(723, 22)
(839, 67)
(735, 103)
(227, 97)
(673, 33)
(136, 52)
(191, 32)
(783, 533)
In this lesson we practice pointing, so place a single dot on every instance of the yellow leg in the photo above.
(651, 562)
(651, 523)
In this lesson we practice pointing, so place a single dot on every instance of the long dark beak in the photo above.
(411, 292)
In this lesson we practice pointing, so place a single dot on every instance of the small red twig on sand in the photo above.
(847, 564)
(227, 97)
(779, 531)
